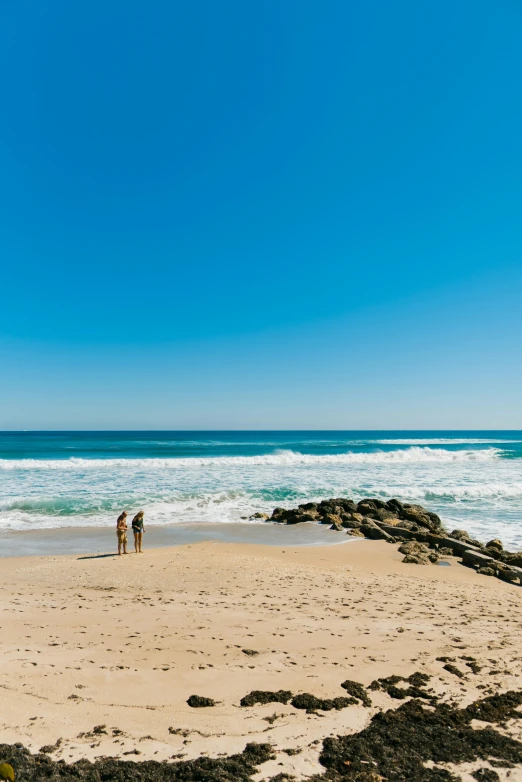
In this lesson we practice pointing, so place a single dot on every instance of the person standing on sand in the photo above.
(138, 529)
(121, 532)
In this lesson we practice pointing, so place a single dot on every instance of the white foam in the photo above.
(406, 455)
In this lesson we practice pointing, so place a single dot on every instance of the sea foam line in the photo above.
(411, 455)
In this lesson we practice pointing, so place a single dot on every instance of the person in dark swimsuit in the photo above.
(138, 530)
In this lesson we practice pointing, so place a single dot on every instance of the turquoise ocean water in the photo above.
(81, 479)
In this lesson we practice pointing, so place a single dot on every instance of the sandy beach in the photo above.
(100, 653)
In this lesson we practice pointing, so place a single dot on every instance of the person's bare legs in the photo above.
(140, 535)
(136, 543)
(119, 547)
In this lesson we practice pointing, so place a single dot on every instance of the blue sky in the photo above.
(246, 215)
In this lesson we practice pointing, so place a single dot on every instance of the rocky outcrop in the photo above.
(350, 515)
(395, 521)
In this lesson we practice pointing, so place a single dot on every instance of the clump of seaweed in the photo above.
(416, 681)
(356, 690)
(265, 696)
(398, 743)
(41, 768)
(310, 703)
(199, 702)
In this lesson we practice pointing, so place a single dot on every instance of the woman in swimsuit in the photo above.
(138, 529)
(121, 532)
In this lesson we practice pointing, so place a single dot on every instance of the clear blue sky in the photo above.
(261, 215)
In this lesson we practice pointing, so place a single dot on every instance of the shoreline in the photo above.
(103, 653)
(102, 540)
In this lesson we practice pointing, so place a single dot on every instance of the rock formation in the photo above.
(421, 533)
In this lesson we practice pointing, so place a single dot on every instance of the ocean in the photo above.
(473, 480)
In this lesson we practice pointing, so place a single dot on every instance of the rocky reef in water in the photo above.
(421, 533)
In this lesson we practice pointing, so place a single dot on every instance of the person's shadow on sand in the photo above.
(98, 556)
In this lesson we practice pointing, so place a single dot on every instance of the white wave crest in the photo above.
(279, 458)
(444, 441)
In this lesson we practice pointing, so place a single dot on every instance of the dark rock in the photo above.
(496, 543)
(259, 516)
(349, 506)
(395, 506)
(512, 559)
(416, 559)
(310, 703)
(356, 533)
(277, 514)
(352, 519)
(492, 551)
(337, 527)
(421, 517)
(381, 514)
(300, 518)
(433, 557)
(308, 506)
(506, 573)
(486, 571)
(413, 547)
(265, 696)
(330, 518)
(373, 531)
(459, 534)
(356, 690)
(364, 507)
(198, 702)
(476, 559)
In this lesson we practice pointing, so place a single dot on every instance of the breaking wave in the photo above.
(407, 455)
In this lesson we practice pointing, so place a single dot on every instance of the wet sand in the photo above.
(122, 642)
(102, 540)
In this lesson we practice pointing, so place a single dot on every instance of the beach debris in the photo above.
(250, 652)
(41, 768)
(311, 704)
(416, 681)
(356, 690)
(398, 744)
(265, 696)
(200, 702)
(454, 670)
(485, 775)
(7, 772)
(47, 749)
